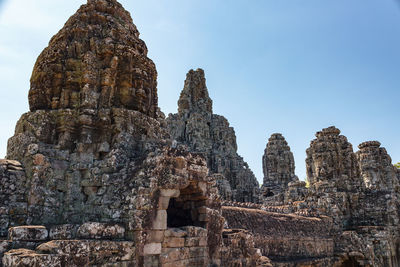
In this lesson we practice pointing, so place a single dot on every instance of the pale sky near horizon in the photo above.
(289, 66)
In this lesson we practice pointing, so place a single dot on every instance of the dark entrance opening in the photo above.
(268, 194)
(177, 215)
(351, 262)
(185, 209)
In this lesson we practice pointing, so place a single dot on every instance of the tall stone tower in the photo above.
(278, 166)
(90, 168)
(203, 132)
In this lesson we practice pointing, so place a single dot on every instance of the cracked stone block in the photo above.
(64, 231)
(95, 230)
(26, 257)
(174, 242)
(28, 233)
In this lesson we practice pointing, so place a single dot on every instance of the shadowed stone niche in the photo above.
(350, 262)
(188, 209)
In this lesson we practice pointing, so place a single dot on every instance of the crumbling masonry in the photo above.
(96, 175)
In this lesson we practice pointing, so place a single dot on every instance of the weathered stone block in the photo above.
(152, 249)
(163, 203)
(132, 263)
(4, 224)
(28, 233)
(18, 208)
(198, 252)
(4, 210)
(151, 261)
(25, 244)
(160, 221)
(26, 257)
(193, 231)
(199, 262)
(95, 230)
(4, 246)
(97, 250)
(175, 232)
(174, 254)
(174, 242)
(169, 192)
(64, 231)
(196, 241)
(155, 236)
(180, 263)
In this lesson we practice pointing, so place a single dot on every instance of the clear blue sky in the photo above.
(286, 66)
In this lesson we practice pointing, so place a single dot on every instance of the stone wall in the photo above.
(69, 245)
(13, 204)
(89, 181)
(148, 227)
(239, 250)
(284, 237)
(186, 246)
(95, 149)
(96, 176)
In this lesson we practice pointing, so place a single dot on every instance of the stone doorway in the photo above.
(188, 208)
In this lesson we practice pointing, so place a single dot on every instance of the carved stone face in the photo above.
(330, 157)
(96, 61)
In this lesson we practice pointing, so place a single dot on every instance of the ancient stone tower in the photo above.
(96, 61)
(89, 168)
(95, 176)
(93, 101)
(330, 158)
(203, 132)
(278, 166)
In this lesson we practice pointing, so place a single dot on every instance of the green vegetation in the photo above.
(397, 165)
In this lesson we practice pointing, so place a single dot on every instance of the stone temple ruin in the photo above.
(210, 135)
(96, 175)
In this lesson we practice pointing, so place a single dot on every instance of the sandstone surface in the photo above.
(96, 176)
(278, 167)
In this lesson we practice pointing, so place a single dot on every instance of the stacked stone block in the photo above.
(13, 202)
